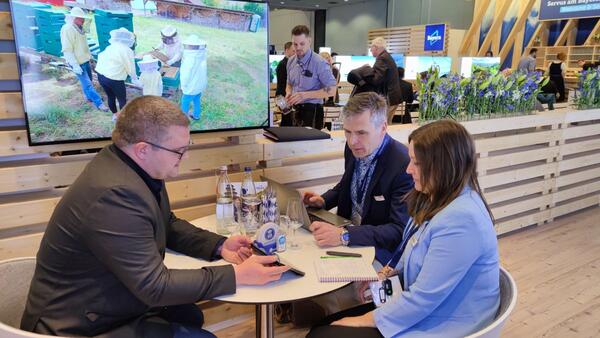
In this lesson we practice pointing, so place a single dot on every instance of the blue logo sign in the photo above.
(435, 37)
(270, 234)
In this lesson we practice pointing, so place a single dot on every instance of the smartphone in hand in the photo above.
(259, 252)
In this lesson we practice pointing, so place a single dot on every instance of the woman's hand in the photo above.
(361, 290)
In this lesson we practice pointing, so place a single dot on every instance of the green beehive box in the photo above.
(49, 14)
(171, 82)
(106, 21)
(51, 46)
(117, 14)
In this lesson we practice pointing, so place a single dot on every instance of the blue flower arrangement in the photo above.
(482, 96)
(589, 89)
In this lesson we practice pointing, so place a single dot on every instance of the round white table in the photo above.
(289, 288)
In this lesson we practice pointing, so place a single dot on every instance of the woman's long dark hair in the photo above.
(445, 152)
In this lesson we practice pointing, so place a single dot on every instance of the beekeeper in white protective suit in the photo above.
(77, 54)
(193, 75)
(115, 63)
(170, 45)
(150, 78)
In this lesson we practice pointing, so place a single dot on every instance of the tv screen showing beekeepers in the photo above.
(82, 61)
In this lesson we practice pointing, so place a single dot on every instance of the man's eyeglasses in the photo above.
(180, 153)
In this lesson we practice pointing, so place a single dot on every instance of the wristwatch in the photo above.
(345, 237)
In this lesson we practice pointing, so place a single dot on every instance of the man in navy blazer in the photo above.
(371, 190)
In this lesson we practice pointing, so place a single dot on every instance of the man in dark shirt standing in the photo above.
(100, 269)
(281, 70)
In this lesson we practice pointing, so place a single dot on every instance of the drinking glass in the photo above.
(284, 223)
(295, 219)
(235, 227)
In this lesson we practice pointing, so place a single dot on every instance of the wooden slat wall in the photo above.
(407, 40)
(531, 168)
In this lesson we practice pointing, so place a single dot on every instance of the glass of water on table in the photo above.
(294, 219)
(235, 226)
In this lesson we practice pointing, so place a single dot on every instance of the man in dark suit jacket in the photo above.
(281, 69)
(385, 76)
(100, 270)
(374, 182)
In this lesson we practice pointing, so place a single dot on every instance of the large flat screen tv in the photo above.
(223, 62)
(470, 65)
(418, 64)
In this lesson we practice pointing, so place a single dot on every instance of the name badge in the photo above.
(413, 240)
(385, 290)
(379, 198)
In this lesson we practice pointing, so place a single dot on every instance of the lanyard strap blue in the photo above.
(410, 230)
(361, 188)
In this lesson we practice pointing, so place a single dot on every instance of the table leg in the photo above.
(264, 321)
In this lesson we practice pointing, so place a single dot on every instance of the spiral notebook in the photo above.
(345, 269)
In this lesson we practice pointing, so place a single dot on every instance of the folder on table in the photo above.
(345, 269)
(287, 134)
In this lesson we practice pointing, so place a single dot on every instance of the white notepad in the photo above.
(346, 269)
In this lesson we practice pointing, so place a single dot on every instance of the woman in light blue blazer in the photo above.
(448, 261)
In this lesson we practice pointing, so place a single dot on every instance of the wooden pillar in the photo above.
(495, 28)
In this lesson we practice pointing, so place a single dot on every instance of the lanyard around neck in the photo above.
(361, 187)
(411, 229)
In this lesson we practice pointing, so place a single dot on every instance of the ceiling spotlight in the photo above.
(317, 5)
(283, 2)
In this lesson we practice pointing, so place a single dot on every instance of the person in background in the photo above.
(385, 76)
(448, 261)
(309, 81)
(556, 71)
(548, 92)
(489, 54)
(100, 267)
(407, 95)
(527, 62)
(193, 75)
(150, 78)
(77, 54)
(115, 63)
(585, 65)
(281, 71)
(170, 46)
(336, 74)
